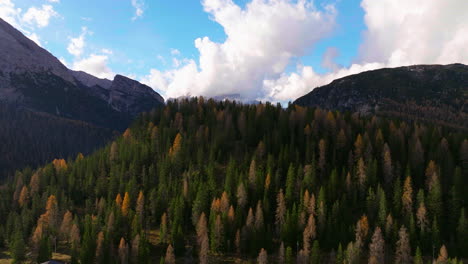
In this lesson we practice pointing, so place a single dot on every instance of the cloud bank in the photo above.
(266, 36)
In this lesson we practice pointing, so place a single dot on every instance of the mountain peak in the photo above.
(32, 78)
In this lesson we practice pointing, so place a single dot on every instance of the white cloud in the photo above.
(9, 13)
(107, 51)
(39, 16)
(34, 37)
(53, 1)
(138, 5)
(267, 35)
(175, 52)
(96, 65)
(76, 45)
(415, 32)
(261, 40)
(398, 34)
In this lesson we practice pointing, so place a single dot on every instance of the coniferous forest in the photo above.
(200, 181)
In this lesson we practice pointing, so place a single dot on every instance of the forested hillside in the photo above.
(210, 182)
(30, 138)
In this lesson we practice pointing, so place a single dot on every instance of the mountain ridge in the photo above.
(435, 93)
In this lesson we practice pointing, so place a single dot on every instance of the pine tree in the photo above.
(462, 233)
(418, 257)
(17, 247)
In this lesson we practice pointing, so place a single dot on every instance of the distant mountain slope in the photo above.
(32, 78)
(49, 111)
(31, 139)
(434, 93)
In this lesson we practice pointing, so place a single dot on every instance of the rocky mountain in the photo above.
(32, 78)
(432, 93)
(48, 111)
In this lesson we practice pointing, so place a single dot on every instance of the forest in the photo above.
(200, 181)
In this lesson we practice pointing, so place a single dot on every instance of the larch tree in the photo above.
(140, 206)
(259, 220)
(241, 196)
(170, 257)
(123, 251)
(262, 257)
(23, 197)
(310, 232)
(75, 237)
(202, 238)
(387, 164)
(403, 249)
(443, 255)
(100, 246)
(135, 249)
(253, 174)
(52, 213)
(176, 146)
(126, 204)
(66, 225)
(421, 217)
(377, 247)
(407, 198)
(281, 256)
(118, 200)
(280, 211)
(361, 175)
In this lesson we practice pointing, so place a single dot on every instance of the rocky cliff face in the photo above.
(32, 78)
(434, 93)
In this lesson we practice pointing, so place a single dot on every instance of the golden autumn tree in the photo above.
(24, 196)
(176, 146)
(123, 251)
(170, 257)
(407, 198)
(140, 206)
(118, 200)
(66, 226)
(126, 204)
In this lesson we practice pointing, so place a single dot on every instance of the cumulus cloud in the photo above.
(9, 12)
(416, 31)
(266, 36)
(96, 65)
(76, 45)
(138, 6)
(39, 16)
(261, 40)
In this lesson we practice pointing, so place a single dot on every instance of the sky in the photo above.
(275, 50)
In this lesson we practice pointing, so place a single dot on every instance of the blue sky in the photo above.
(154, 41)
